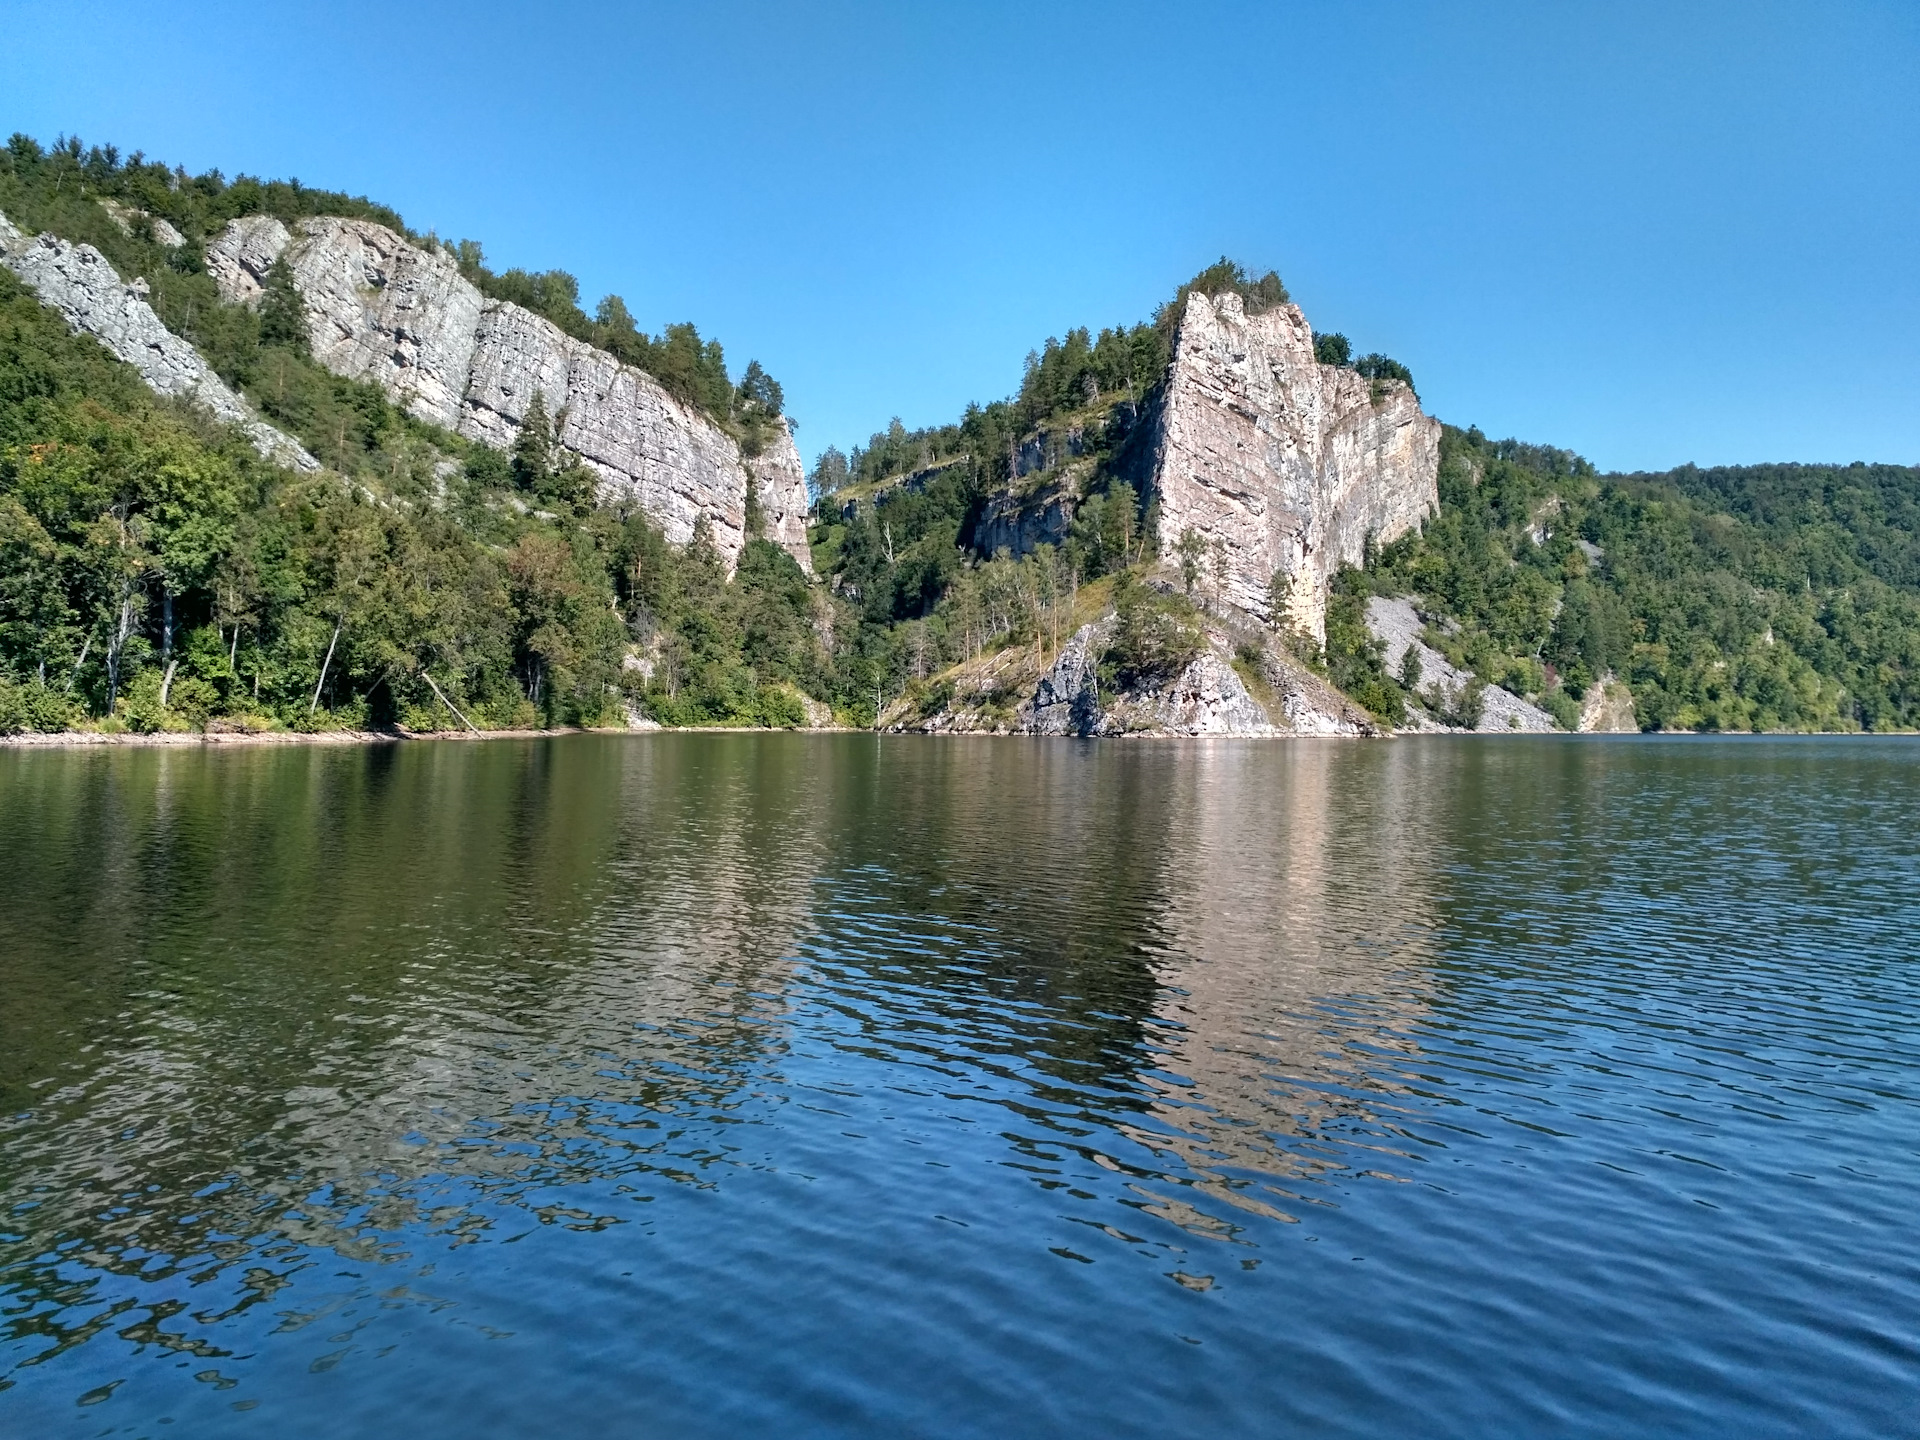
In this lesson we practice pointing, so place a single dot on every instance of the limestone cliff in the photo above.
(381, 309)
(78, 281)
(1279, 463)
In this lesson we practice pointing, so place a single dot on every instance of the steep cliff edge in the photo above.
(78, 281)
(1279, 464)
(383, 310)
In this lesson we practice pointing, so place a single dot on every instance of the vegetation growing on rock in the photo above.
(1761, 597)
(155, 572)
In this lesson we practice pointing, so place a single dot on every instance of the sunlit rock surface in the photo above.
(1281, 464)
(79, 282)
(382, 309)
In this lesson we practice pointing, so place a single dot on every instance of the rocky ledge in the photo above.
(1015, 693)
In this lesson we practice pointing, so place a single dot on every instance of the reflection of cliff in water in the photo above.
(1297, 923)
(275, 1001)
(281, 999)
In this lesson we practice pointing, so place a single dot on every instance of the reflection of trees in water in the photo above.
(279, 1002)
(999, 889)
(314, 998)
(1204, 947)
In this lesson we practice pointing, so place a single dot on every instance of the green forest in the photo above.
(155, 573)
(1768, 597)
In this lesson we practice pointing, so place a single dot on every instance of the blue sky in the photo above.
(1653, 233)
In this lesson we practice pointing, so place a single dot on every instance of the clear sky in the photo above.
(1653, 233)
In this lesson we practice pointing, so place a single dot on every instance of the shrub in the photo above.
(781, 708)
(1155, 636)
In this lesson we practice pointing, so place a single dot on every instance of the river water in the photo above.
(771, 1085)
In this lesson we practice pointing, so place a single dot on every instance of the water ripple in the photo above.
(697, 1085)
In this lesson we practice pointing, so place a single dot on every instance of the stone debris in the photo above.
(1607, 709)
(1397, 626)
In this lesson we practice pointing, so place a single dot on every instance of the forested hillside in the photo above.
(1754, 598)
(156, 573)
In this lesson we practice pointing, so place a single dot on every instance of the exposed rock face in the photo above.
(1280, 463)
(1206, 698)
(383, 310)
(78, 281)
(1020, 524)
(1304, 704)
(1396, 625)
(125, 215)
(1607, 709)
(1046, 449)
(1067, 699)
(243, 253)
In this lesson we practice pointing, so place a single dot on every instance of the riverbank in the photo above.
(176, 739)
(84, 739)
(179, 738)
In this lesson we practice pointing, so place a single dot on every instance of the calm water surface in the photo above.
(783, 1085)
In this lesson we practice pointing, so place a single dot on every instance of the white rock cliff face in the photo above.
(383, 310)
(1279, 463)
(78, 281)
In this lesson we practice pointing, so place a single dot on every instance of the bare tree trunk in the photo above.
(166, 683)
(323, 668)
(166, 625)
(114, 647)
(85, 645)
(449, 704)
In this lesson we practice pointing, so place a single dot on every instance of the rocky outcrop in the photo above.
(78, 281)
(1281, 464)
(126, 217)
(1301, 703)
(1397, 626)
(1607, 709)
(1067, 699)
(1206, 698)
(1046, 449)
(1020, 523)
(384, 310)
